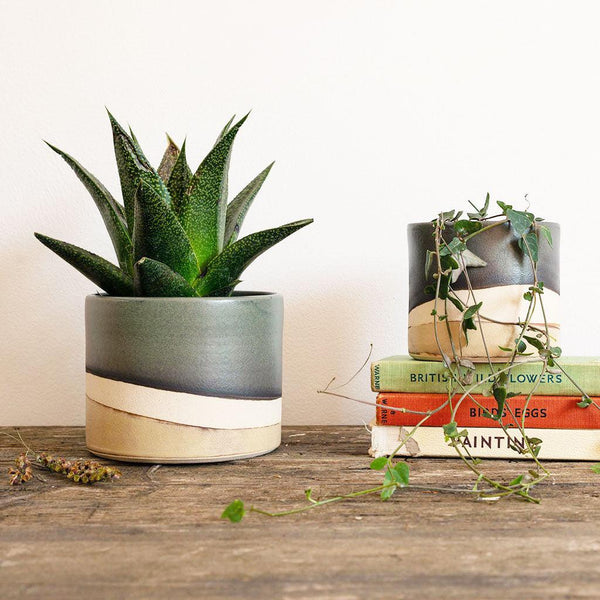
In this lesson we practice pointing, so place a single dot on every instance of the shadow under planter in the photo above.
(183, 380)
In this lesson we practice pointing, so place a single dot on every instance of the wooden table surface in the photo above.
(157, 534)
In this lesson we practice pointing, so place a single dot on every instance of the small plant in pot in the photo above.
(180, 367)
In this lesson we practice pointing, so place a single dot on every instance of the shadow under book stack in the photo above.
(567, 431)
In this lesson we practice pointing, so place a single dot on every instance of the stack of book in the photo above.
(407, 389)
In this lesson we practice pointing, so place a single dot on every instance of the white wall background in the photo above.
(378, 113)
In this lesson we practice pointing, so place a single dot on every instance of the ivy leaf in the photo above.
(457, 303)
(400, 472)
(378, 463)
(585, 402)
(546, 233)
(500, 397)
(520, 221)
(472, 310)
(103, 273)
(234, 512)
(465, 228)
(428, 261)
(450, 430)
(534, 342)
(388, 492)
(529, 245)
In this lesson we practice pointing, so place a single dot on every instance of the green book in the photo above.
(404, 374)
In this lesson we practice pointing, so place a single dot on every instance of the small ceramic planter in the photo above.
(183, 380)
(500, 285)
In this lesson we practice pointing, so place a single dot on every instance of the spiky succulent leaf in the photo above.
(179, 180)
(223, 270)
(109, 208)
(238, 207)
(154, 278)
(138, 148)
(227, 290)
(168, 160)
(130, 163)
(224, 130)
(104, 274)
(157, 233)
(203, 211)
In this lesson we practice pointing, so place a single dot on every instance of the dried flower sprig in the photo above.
(21, 472)
(78, 471)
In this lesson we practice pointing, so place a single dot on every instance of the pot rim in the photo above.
(238, 296)
(430, 223)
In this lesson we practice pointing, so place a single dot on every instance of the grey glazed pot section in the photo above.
(227, 347)
(506, 263)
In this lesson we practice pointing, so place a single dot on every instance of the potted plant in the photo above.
(494, 268)
(180, 367)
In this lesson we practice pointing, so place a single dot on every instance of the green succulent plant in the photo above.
(175, 234)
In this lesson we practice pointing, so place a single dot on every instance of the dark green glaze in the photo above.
(97, 269)
(227, 347)
(498, 247)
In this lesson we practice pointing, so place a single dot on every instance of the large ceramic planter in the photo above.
(500, 285)
(183, 379)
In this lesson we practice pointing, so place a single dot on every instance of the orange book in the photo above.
(541, 412)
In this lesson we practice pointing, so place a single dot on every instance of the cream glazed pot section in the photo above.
(173, 380)
(499, 285)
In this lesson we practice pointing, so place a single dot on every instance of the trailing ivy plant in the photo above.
(175, 234)
(451, 255)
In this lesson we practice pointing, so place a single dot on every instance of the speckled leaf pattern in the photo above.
(154, 278)
(226, 291)
(224, 130)
(109, 210)
(229, 265)
(168, 160)
(157, 234)
(130, 163)
(138, 149)
(103, 273)
(204, 209)
(238, 207)
(179, 180)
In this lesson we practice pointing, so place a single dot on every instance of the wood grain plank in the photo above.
(158, 534)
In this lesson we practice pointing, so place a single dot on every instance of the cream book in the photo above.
(487, 442)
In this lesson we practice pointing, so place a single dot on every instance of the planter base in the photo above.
(120, 435)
